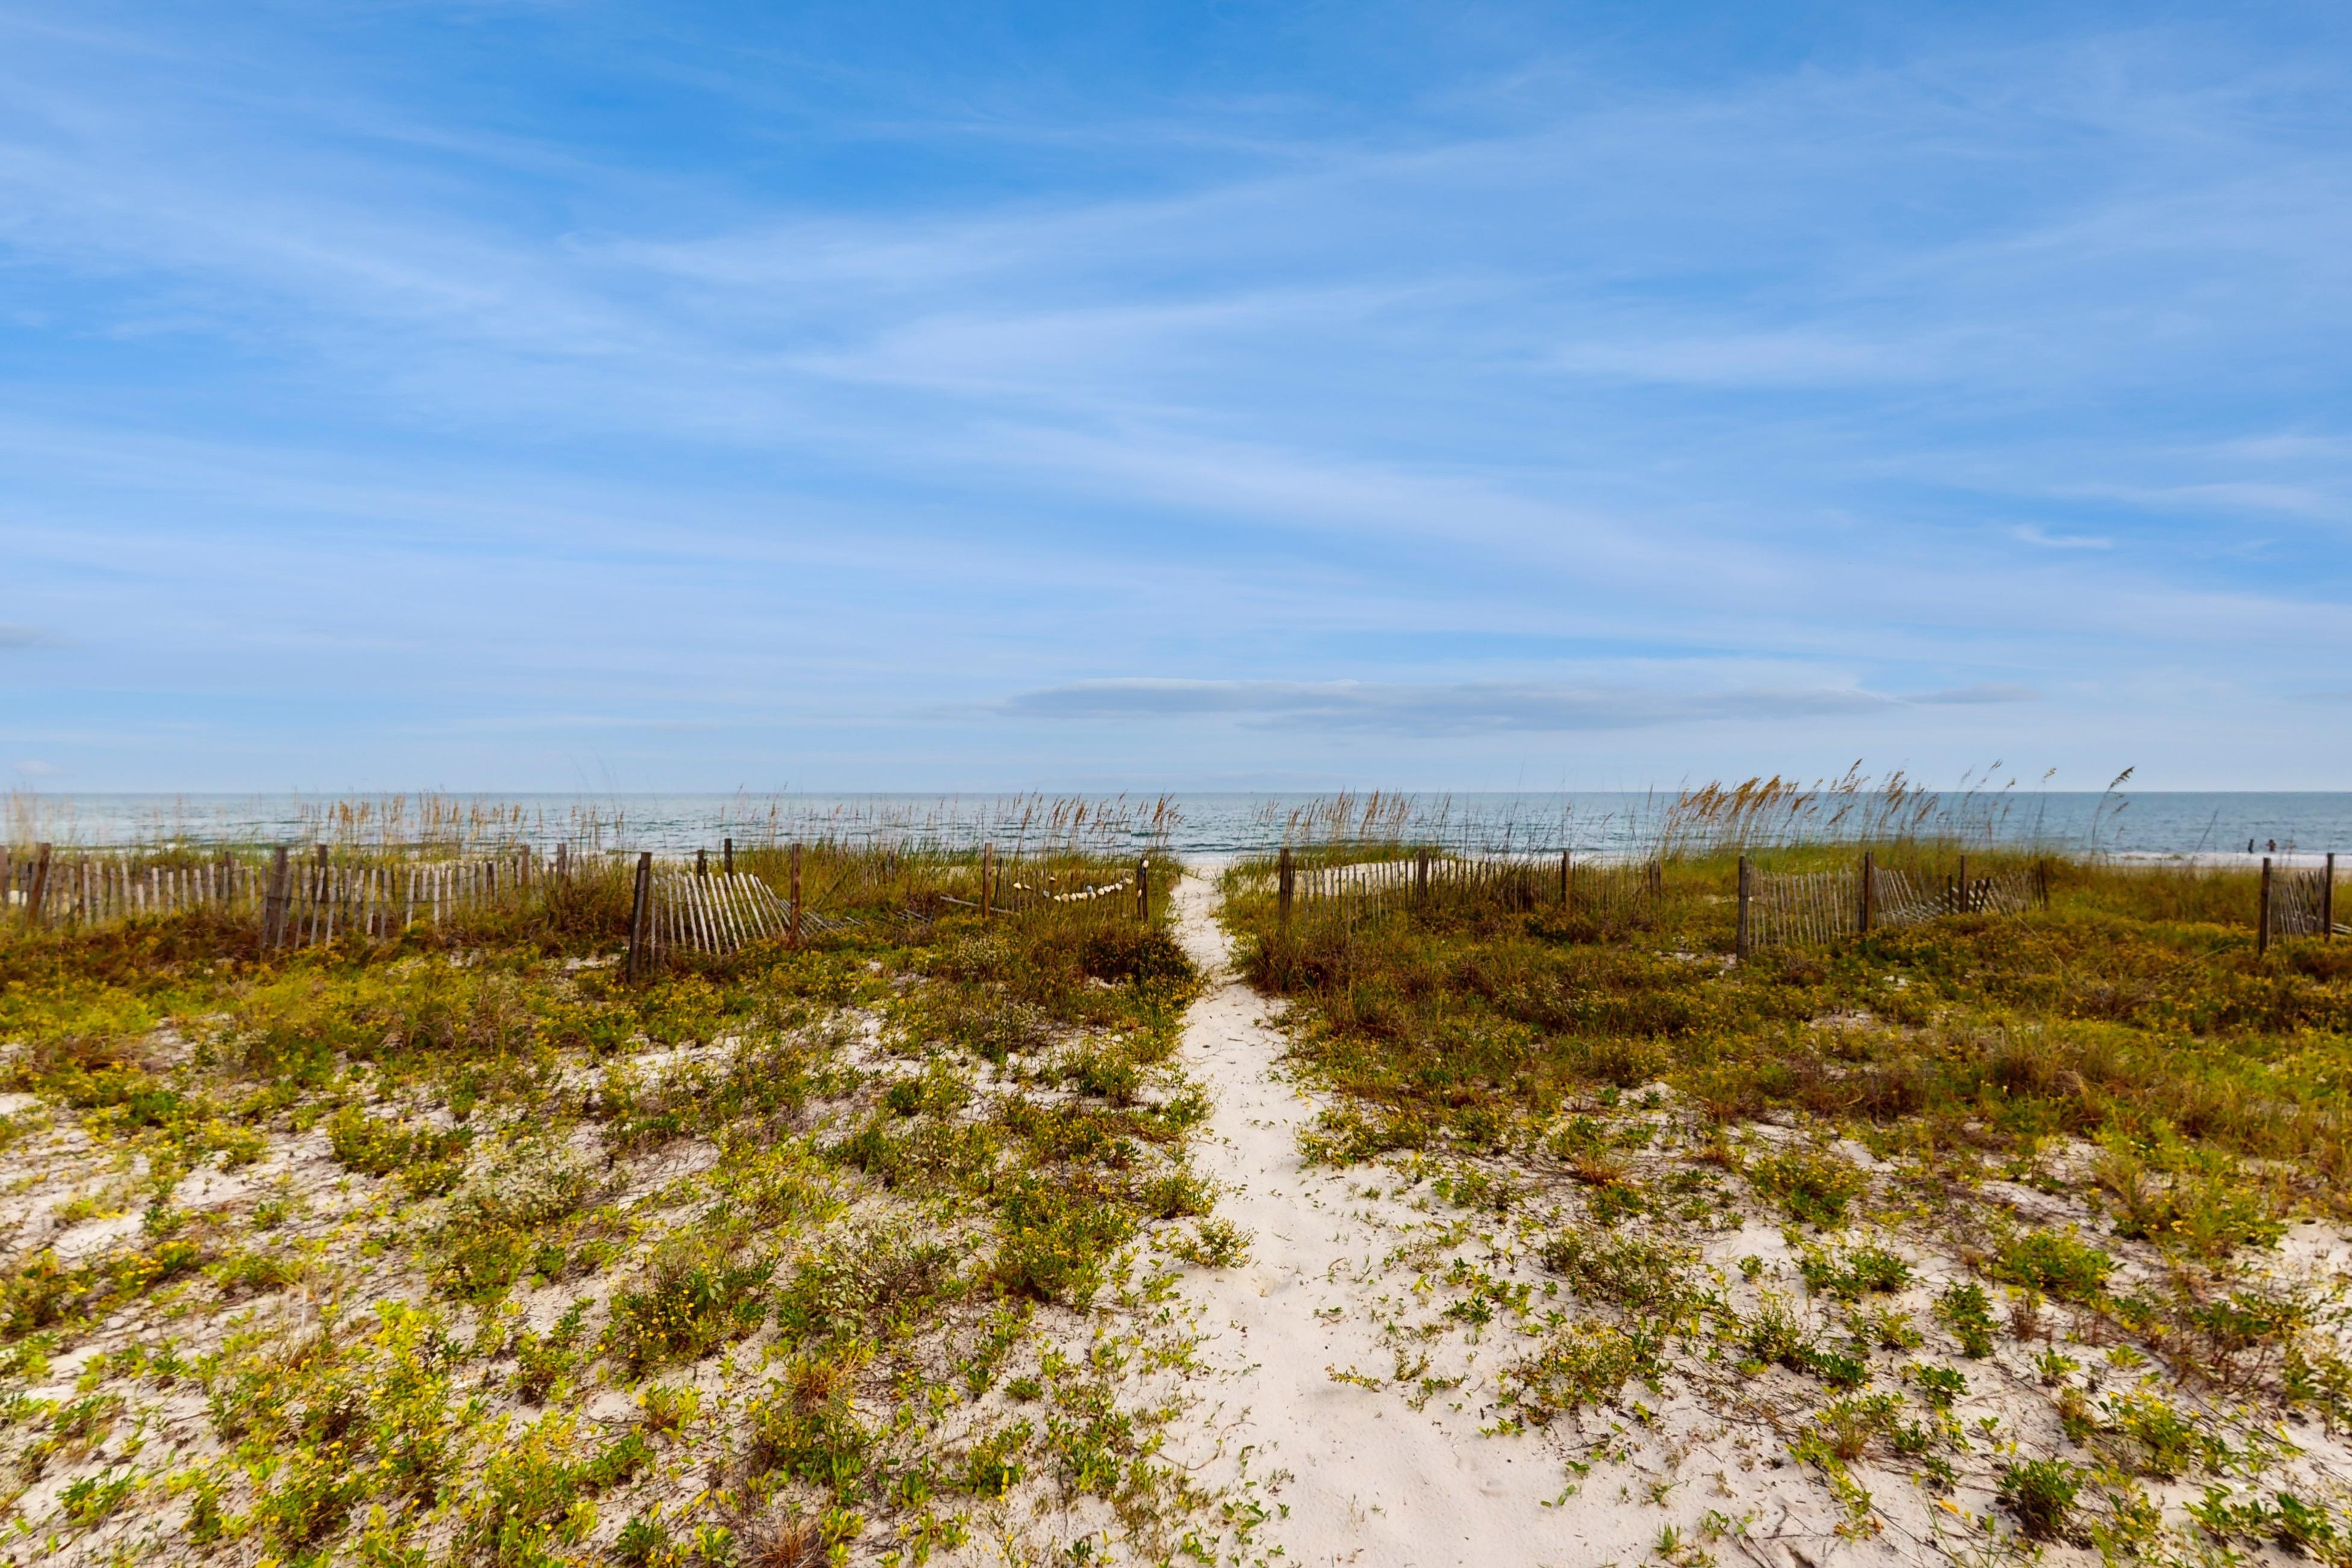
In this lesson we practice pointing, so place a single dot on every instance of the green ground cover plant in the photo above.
(451, 1246)
(2030, 1178)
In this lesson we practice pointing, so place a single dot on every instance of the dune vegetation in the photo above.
(453, 1246)
(1977, 1236)
(2015, 1233)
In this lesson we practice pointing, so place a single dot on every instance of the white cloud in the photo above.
(1466, 706)
(1759, 359)
(2029, 534)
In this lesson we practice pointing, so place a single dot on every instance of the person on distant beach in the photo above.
(2272, 845)
(2250, 846)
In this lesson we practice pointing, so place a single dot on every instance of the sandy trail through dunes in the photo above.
(1364, 1478)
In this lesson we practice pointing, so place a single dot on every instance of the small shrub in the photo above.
(1580, 1364)
(1967, 1313)
(1220, 1244)
(2170, 1444)
(1774, 1337)
(862, 1281)
(1176, 1193)
(2041, 1493)
(1813, 1186)
(532, 1498)
(1146, 955)
(1625, 1269)
(1853, 1275)
(689, 1301)
(1847, 1427)
(644, 1541)
(2205, 1206)
(1052, 1242)
(807, 1428)
(428, 1160)
(2306, 1528)
(242, 1274)
(2057, 1262)
(1888, 1328)
(937, 1090)
(990, 1467)
(94, 1498)
(542, 1361)
(668, 1411)
(499, 1224)
(1939, 1386)
(1839, 1369)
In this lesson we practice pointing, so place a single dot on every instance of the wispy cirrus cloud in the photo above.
(2043, 538)
(1006, 379)
(1467, 707)
(1737, 359)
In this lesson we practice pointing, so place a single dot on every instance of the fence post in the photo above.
(640, 914)
(796, 896)
(1869, 891)
(1966, 903)
(563, 860)
(1421, 874)
(702, 862)
(728, 851)
(1739, 942)
(36, 899)
(1567, 872)
(1284, 875)
(987, 877)
(1143, 889)
(322, 904)
(2263, 920)
(2327, 901)
(273, 903)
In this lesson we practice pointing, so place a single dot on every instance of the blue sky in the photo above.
(695, 396)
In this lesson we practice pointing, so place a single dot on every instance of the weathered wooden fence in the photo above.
(716, 911)
(300, 901)
(1363, 889)
(1814, 909)
(2297, 901)
(677, 907)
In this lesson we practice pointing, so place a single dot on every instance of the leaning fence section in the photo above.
(2297, 900)
(1816, 908)
(1803, 909)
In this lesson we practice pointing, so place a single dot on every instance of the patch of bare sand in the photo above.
(1351, 1475)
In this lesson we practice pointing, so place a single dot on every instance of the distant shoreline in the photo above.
(2204, 826)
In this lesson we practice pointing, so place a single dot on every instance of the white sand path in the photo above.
(1365, 1478)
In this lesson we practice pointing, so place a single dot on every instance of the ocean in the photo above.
(2150, 823)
